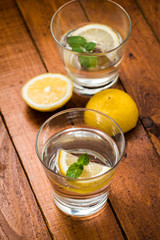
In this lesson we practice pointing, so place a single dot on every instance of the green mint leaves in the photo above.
(80, 45)
(88, 61)
(76, 41)
(90, 46)
(76, 169)
(83, 159)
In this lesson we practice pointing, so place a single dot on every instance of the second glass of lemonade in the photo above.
(91, 37)
(66, 136)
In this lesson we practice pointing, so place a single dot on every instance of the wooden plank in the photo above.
(136, 206)
(140, 69)
(130, 196)
(20, 216)
(23, 124)
(135, 193)
(151, 11)
(140, 72)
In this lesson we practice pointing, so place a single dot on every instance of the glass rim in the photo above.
(93, 54)
(78, 110)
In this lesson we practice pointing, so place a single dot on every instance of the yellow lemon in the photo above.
(116, 104)
(47, 92)
(92, 177)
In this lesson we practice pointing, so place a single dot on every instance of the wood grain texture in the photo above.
(20, 217)
(140, 72)
(23, 124)
(135, 192)
(130, 197)
(151, 11)
(140, 69)
(138, 194)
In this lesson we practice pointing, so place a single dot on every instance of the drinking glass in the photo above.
(79, 131)
(92, 71)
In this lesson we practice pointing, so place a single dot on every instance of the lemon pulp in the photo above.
(47, 92)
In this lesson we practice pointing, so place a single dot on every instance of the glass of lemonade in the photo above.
(68, 136)
(91, 37)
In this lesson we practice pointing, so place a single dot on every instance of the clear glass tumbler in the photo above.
(92, 67)
(78, 131)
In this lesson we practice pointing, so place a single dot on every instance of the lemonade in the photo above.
(103, 28)
(61, 144)
(95, 68)
(102, 152)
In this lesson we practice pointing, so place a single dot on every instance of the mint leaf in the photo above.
(74, 170)
(78, 49)
(88, 61)
(80, 45)
(90, 46)
(83, 159)
(76, 41)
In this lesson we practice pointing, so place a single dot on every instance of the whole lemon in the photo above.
(118, 105)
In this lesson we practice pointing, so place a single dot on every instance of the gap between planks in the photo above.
(146, 19)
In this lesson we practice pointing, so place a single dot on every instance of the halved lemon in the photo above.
(47, 92)
(104, 36)
(92, 177)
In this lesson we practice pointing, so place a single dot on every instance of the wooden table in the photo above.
(27, 210)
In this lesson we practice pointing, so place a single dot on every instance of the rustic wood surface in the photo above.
(27, 209)
(20, 217)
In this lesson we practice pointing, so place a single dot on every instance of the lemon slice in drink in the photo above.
(47, 92)
(93, 170)
(105, 37)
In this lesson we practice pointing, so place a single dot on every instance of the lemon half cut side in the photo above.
(47, 92)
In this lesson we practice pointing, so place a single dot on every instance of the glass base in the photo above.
(90, 86)
(86, 91)
(80, 207)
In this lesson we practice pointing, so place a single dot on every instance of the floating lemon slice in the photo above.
(106, 40)
(93, 170)
(65, 159)
(47, 92)
(104, 37)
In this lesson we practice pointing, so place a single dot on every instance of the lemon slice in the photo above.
(93, 170)
(104, 37)
(65, 159)
(47, 92)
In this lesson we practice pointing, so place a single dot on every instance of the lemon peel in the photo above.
(116, 104)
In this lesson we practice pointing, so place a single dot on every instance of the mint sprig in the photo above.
(79, 44)
(76, 169)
